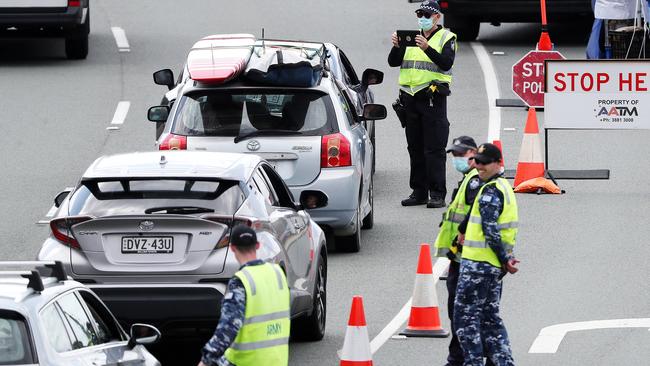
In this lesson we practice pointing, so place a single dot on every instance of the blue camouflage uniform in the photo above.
(476, 307)
(232, 317)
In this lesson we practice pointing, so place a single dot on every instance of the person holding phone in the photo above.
(424, 79)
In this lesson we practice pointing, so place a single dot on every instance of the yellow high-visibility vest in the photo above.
(475, 247)
(264, 337)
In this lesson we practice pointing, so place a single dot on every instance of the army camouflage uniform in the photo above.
(232, 318)
(476, 307)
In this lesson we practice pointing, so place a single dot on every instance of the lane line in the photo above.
(402, 316)
(492, 89)
(548, 340)
(120, 39)
(120, 112)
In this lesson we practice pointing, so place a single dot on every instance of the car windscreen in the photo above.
(137, 196)
(236, 112)
(15, 342)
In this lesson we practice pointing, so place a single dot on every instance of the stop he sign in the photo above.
(528, 76)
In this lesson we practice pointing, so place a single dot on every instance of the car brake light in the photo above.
(173, 142)
(62, 229)
(74, 3)
(444, 5)
(231, 222)
(335, 151)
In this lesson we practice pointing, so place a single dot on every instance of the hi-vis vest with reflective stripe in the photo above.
(264, 337)
(418, 71)
(475, 247)
(455, 214)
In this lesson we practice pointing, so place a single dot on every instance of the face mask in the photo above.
(425, 24)
(461, 164)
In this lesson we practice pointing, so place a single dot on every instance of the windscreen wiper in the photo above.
(179, 210)
(265, 133)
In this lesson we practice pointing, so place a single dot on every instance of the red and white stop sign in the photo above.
(528, 76)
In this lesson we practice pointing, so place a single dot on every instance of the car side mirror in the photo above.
(143, 334)
(159, 113)
(372, 77)
(312, 199)
(374, 112)
(164, 77)
(58, 200)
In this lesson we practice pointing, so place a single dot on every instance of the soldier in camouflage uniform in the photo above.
(487, 256)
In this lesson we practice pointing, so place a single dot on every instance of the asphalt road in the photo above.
(584, 254)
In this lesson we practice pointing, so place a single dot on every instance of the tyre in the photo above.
(466, 28)
(76, 44)
(369, 220)
(312, 327)
(351, 243)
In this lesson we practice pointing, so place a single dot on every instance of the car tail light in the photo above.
(231, 222)
(62, 229)
(444, 5)
(335, 151)
(173, 142)
(74, 3)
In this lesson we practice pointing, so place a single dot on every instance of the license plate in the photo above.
(147, 244)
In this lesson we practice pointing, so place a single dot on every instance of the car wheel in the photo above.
(76, 44)
(369, 220)
(466, 29)
(312, 327)
(351, 243)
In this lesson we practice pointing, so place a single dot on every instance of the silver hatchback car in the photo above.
(149, 233)
(54, 321)
(313, 136)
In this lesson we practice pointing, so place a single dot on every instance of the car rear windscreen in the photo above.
(237, 112)
(135, 196)
(15, 344)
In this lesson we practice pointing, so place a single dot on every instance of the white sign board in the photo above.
(597, 94)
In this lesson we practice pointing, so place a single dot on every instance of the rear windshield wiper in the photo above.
(266, 132)
(179, 210)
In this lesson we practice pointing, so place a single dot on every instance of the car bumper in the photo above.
(341, 185)
(517, 10)
(54, 20)
(177, 310)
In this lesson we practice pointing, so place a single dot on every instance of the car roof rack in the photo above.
(34, 277)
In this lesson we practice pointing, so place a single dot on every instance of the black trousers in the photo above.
(427, 132)
(455, 357)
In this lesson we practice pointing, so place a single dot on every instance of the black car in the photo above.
(48, 18)
(464, 17)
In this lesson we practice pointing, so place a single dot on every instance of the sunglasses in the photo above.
(421, 14)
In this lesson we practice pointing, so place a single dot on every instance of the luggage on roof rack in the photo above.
(286, 63)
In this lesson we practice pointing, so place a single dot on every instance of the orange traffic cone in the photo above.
(497, 143)
(356, 346)
(424, 320)
(531, 164)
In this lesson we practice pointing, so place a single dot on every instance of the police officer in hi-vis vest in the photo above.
(453, 226)
(424, 78)
(254, 324)
(486, 257)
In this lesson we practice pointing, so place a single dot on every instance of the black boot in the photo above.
(414, 199)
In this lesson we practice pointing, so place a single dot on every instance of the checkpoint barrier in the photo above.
(530, 164)
(356, 345)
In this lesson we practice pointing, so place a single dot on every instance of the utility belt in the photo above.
(427, 93)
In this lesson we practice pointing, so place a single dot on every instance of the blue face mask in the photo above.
(461, 164)
(425, 23)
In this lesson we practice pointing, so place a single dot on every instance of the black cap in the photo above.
(461, 144)
(429, 7)
(487, 153)
(243, 236)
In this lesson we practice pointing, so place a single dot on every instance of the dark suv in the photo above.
(48, 18)
(464, 17)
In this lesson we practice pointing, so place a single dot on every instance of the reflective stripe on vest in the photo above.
(264, 335)
(475, 246)
(455, 214)
(418, 71)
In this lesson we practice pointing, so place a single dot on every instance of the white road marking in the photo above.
(402, 316)
(43, 222)
(548, 340)
(510, 129)
(120, 113)
(492, 88)
(120, 39)
(112, 128)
